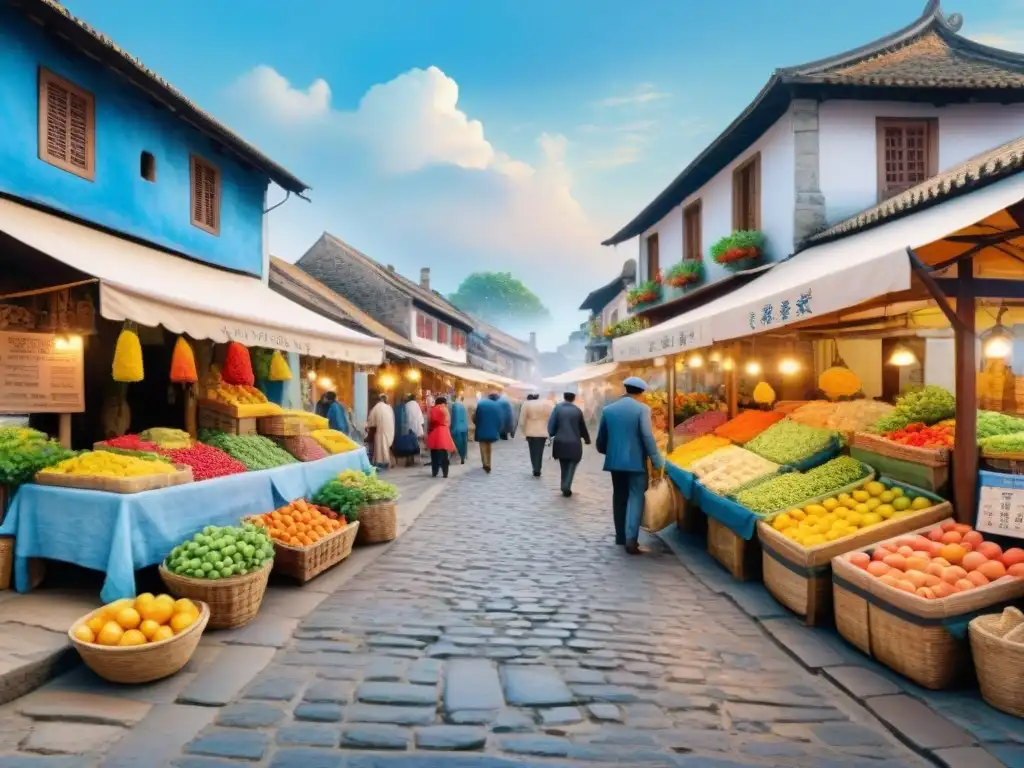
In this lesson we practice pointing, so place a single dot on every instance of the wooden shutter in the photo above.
(746, 195)
(67, 126)
(908, 153)
(653, 257)
(205, 195)
(442, 333)
(691, 231)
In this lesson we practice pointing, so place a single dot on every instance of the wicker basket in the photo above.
(740, 557)
(234, 601)
(304, 563)
(999, 664)
(36, 566)
(906, 632)
(284, 425)
(141, 663)
(217, 418)
(377, 523)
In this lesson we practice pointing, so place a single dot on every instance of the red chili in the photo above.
(131, 443)
(206, 461)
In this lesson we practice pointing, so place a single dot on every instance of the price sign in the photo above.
(41, 373)
(1001, 505)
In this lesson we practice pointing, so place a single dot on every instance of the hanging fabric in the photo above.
(183, 363)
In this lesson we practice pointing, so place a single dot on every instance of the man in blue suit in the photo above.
(489, 420)
(626, 440)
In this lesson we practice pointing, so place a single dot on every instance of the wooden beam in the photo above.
(732, 382)
(670, 361)
(936, 292)
(1016, 212)
(984, 287)
(965, 448)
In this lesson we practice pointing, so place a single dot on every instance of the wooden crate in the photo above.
(740, 557)
(211, 418)
(117, 484)
(248, 411)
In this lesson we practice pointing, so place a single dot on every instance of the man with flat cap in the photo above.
(567, 427)
(626, 440)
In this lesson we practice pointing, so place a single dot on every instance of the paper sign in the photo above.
(41, 373)
(1001, 505)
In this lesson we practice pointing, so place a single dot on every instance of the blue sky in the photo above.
(491, 134)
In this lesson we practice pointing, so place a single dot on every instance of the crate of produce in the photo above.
(291, 424)
(225, 567)
(846, 418)
(364, 497)
(224, 421)
(701, 424)
(740, 557)
(798, 445)
(997, 647)
(140, 640)
(114, 473)
(255, 452)
(683, 456)
(797, 552)
(333, 441)
(308, 539)
(302, 447)
(723, 471)
(240, 400)
(907, 601)
(748, 425)
(790, 489)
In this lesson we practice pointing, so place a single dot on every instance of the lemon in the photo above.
(843, 497)
(111, 634)
(182, 621)
(782, 522)
(896, 491)
(159, 611)
(813, 541)
(110, 612)
(887, 497)
(165, 599)
(872, 503)
(128, 618)
(95, 624)
(815, 509)
(132, 637)
(861, 496)
(798, 514)
(900, 503)
(85, 634)
(862, 509)
(850, 503)
(856, 519)
(886, 511)
(162, 633)
(921, 503)
(874, 488)
(148, 628)
(871, 518)
(830, 504)
(792, 534)
(185, 605)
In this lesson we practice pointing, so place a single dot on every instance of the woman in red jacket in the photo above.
(439, 437)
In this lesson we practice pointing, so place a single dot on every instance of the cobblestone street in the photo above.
(505, 624)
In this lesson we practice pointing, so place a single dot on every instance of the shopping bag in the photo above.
(659, 506)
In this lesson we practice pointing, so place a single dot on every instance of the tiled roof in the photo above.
(506, 342)
(97, 45)
(598, 299)
(981, 170)
(288, 280)
(926, 56)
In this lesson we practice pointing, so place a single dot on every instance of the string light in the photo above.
(999, 342)
(386, 380)
(788, 366)
(695, 361)
(311, 375)
(753, 368)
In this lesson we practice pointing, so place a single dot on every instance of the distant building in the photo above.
(491, 349)
(607, 306)
(574, 351)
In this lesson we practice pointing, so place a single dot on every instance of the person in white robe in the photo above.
(380, 428)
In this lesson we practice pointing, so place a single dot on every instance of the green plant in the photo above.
(625, 327)
(685, 272)
(644, 293)
(738, 248)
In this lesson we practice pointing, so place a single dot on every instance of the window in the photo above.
(67, 126)
(442, 333)
(653, 262)
(424, 327)
(614, 318)
(908, 153)
(147, 166)
(458, 339)
(419, 325)
(205, 195)
(691, 231)
(746, 195)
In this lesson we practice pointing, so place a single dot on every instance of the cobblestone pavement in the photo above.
(505, 626)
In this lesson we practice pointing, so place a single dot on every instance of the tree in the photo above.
(497, 297)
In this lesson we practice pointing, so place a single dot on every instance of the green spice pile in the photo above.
(788, 442)
(790, 489)
(254, 451)
(23, 452)
(928, 405)
(991, 423)
(1013, 443)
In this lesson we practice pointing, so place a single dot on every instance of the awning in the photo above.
(820, 280)
(583, 373)
(154, 288)
(458, 371)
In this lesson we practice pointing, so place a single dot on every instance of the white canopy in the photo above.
(459, 371)
(583, 373)
(823, 279)
(154, 288)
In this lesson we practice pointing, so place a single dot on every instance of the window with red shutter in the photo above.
(67, 126)
(908, 153)
(205, 195)
(442, 333)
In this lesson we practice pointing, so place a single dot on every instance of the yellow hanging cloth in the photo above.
(183, 363)
(279, 368)
(127, 366)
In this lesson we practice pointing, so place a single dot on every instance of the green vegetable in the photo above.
(344, 499)
(23, 452)
(219, 553)
(991, 423)
(254, 451)
(789, 441)
(928, 405)
(1013, 443)
(789, 490)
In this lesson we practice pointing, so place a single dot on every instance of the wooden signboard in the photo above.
(41, 373)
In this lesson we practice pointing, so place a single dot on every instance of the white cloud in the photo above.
(642, 94)
(1011, 39)
(280, 99)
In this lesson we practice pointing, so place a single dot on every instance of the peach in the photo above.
(962, 528)
(992, 570)
(888, 579)
(1012, 556)
(951, 537)
(977, 578)
(1016, 570)
(949, 525)
(972, 560)
(934, 569)
(932, 581)
(953, 574)
(964, 585)
(989, 549)
(899, 562)
(926, 593)
(941, 561)
(935, 548)
(904, 541)
(973, 538)
(905, 550)
(917, 563)
(935, 534)
(906, 586)
(875, 568)
(920, 542)
(943, 589)
(860, 559)
(916, 578)
(881, 553)
(954, 553)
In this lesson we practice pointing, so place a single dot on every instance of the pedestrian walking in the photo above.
(533, 423)
(567, 427)
(410, 431)
(380, 433)
(489, 419)
(626, 440)
(329, 407)
(460, 427)
(439, 437)
(508, 417)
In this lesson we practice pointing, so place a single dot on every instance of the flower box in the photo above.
(738, 251)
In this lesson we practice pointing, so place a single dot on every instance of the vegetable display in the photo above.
(1003, 443)
(351, 489)
(687, 453)
(729, 468)
(333, 441)
(302, 447)
(146, 619)
(948, 559)
(307, 418)
(130, 443)
(300, 524)
(254, 451)
(927, 405)
(220, 553)
(374, 489)
(702, 423)
(107, 464)
(789, 441)
(165, 437)
(23, 452)
(843, 515)
(845, 417)
(992, 423)
(793, 488)
(922, 436)
(748, 425)
(206, 461)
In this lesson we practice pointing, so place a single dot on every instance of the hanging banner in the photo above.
(41, 373)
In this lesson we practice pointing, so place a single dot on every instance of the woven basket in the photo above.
(929, 457)
(999, 664)
(283, 426)
(36, 566)
(141, 663)
(740, 557)
(905, 632)
(304, 563)
(234, 601)
(377, 523)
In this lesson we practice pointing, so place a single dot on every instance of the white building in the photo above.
(607, 306)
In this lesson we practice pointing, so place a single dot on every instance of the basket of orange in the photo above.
(308, 539)
(140, 640)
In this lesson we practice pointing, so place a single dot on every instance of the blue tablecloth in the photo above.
(683, 479)
(733, 516)
(120, 533)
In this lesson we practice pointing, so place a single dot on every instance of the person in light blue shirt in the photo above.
(460, 427)
(333, 411)
(625, 438)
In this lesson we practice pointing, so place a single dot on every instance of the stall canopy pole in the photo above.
(732, 385)
(965, 451)
(671, 363)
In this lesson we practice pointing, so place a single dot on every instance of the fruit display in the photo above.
(220, 553)
(845, 417)
(108, 464)
(992, 423)
(251, 399)
(254, 451)
(846, 513)
(302, 447)
(922, 436)
(333, 441)
(374, 489)
(928, 405)
(206, 461)
(351, 490)
(701, 424)
(165, 437)
(943, 561)
(309, 419)
(146, 619)
(687, 453)
(788, 442)
(300, 524)
(130, 443)
(24, 452)
(794, 488)
(748, 425)
(998, 444)
(729, 468)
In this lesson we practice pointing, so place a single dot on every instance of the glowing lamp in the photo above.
(659, 361)
(412, 374)
(311, 375)
(999, 342)
(902, 357)
(788, 366)
(386, 380)
(715, 357)
(325, 383)
(753, 368)
(695, 361)
(728, 364)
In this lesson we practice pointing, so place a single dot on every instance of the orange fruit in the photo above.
(111, 634)
(162, 633)
(132, 637)
(128, 618)
(182, 621)
(165, 599)
(85, 634)
(110, 611)
(159, 611)
(149, 628)
(184, 605)
(95, 624)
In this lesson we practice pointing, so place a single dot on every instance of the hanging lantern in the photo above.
(127, 366)
(183, 363)
(238, 366)
(261, 363)
(279, 368)
(764, 394)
